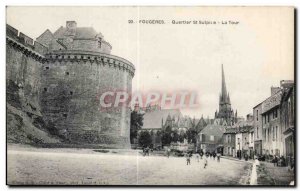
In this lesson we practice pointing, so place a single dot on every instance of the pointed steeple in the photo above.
(228, 98)
(224, 91)
(225, 112)
(169, 118)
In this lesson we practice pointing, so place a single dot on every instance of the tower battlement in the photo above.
(24, 42)
(93, 58)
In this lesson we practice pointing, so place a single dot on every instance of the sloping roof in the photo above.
(153, 119)
(241, 129)
(231, 130)
(243, 123)
(196, 121)
(45, 38)
(81, 32)
(85, 32)
(59, 32)
(185, 121)
(212, 129)
(245, 129)
(201, 124)
(271, 102)
(47, 32)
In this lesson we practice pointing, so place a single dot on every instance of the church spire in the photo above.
(225, 112)
(224, 91)
(228, 98)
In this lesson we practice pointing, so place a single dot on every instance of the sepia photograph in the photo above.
(150, 96)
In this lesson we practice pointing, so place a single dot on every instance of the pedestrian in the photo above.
(214, 155)
(275, 160)
(197, 157)
(147, 151)
(188, 159)
(168, 152)
(205, 163)
(218, 157)
(201, 154)
(282, 161)
(144, 151)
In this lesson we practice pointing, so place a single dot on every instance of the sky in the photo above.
(256, 53)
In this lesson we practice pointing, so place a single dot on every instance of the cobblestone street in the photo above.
(74, 166)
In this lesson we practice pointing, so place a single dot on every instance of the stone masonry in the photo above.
(62, 75)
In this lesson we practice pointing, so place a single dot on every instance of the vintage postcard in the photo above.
(148, 96)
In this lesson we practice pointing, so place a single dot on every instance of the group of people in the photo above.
(278, 161)
(213, 155)
(146, 151)
(199, 156)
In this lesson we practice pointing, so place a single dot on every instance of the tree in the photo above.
(175, 136)
(191, 135)
(182, 136)
(145, 139)
(136, 123)
(166, 138)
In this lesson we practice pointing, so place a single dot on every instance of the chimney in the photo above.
(71, 28)
(286, 83)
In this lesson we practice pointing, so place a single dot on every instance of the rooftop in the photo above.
(154, 119)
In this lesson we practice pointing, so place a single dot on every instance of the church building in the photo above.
(225, 112)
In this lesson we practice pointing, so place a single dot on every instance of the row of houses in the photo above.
(156, 120)
(269, 131)
(238, 140)
(235, 140)
(274, 122)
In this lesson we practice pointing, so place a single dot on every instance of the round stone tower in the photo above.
(78, 69)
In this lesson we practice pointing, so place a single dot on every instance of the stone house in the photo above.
(244, 141)
(287, 116)
(257, 126)
(229, 144)
(272, 138)
(210, 138)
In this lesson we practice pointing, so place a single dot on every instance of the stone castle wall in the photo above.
(63, 87)
(23, 71)
(72, 82)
